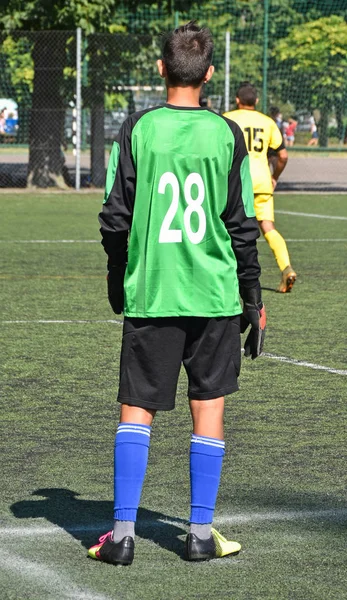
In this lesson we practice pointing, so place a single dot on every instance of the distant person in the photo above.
(276, 115)
(11, 124)
(290, 131)
(3, 114)
(314, 132)
(262, 133)
(178, 181)
(272, 156)
(284, 129)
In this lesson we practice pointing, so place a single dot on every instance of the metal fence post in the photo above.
(84, 85)
(265, 53)
(78, 105)
(227, 72)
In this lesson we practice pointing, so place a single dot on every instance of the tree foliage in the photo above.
(36, 15)
(316, 54)
(318, 49)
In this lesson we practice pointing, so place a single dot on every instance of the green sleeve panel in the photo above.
(111, 170)
(247, 188)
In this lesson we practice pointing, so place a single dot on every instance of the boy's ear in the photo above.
(161, 68)
(209, 73)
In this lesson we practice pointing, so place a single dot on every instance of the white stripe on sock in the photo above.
(133, 430)
(208, 441)
(207, 444)
(204, 438)
(134, 426)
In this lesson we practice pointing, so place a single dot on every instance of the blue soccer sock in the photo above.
(206, 458)
(130, 464)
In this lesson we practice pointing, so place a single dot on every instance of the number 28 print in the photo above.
(168, 235)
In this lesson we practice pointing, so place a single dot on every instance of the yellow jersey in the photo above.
(261, 133)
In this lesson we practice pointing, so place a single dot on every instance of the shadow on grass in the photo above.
(86, 520)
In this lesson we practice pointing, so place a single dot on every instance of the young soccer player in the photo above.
(262, 133)
(178, 220)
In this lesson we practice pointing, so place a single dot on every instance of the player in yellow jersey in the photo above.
(261, 133)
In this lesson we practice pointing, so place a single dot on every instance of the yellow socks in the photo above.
(278, 247)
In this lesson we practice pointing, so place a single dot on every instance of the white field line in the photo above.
(337, 514)
(47, 579)
(61, 322)
(314, 215)
(309, 240)
(303, 363)
(313, 240)
(285, 359)
(50, 241)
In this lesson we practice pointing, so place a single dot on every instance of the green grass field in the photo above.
(283, 490)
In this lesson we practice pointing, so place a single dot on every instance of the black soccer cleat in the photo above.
(197, 549)
(215, 546)
(120, 553)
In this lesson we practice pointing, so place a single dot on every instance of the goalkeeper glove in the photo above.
(254, 315)
(115, 289)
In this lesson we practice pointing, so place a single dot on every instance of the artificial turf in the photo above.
(283, 489)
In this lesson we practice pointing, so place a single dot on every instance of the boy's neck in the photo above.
(183, 96)
(245, 107)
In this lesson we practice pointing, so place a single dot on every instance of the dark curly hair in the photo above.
(187, 54)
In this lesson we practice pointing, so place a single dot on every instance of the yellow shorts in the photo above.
(264, 207)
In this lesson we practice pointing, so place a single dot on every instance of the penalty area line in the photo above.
(311, 240)
(337, 514)
(314, 215)
(62, 322)
(50, 242)
(303, 363)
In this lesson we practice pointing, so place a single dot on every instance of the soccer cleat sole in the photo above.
(286, 287)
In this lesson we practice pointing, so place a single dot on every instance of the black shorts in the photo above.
(153, 350)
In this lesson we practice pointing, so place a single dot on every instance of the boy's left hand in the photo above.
(115, 288)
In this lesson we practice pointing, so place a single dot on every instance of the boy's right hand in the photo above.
(255, 316)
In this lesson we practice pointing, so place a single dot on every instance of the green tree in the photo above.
(316, 53)
(49, 51)
(49, 54)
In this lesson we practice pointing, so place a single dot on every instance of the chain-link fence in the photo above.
(64, 95)
(46, 130)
